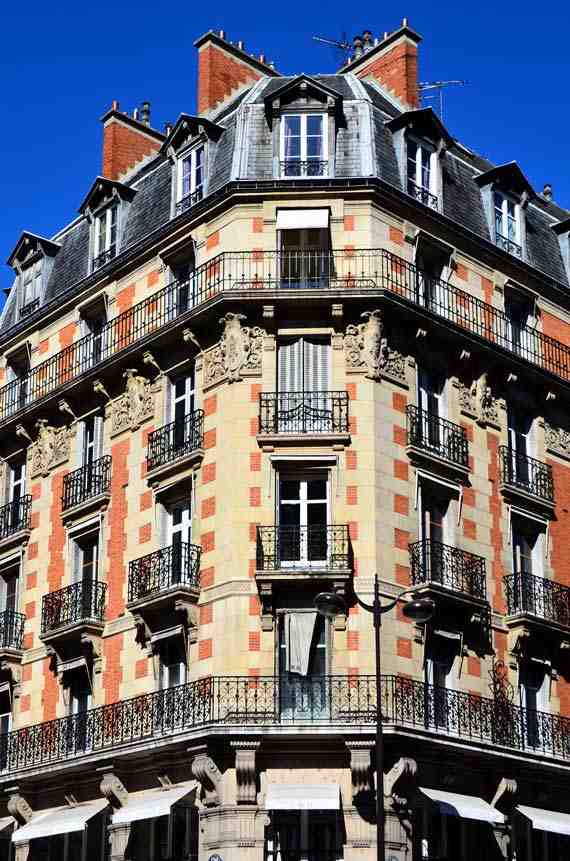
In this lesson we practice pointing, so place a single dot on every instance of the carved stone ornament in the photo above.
(113, 790)
(400, 784)
(486, 406)
(466, 398)
(22, 851)
(119, 840)
(365, 345)
(51, 448)
(209, 776)
(239, 350)
(360, 768)
(557, 440)
(246, 773)
(19, 808)
(134, 406)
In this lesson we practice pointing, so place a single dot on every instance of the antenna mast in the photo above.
(342, 45)
(438, 87)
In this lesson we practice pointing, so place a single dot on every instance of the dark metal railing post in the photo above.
(176, 439)
(86, 482)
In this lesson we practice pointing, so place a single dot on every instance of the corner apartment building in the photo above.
(296, 339)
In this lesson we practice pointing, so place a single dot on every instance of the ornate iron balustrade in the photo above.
(11, 629)
(324, 548)
(28, 310)
(86, 482)
(104, 257)
(309, 167)
(156, 572)
(437, 436)
(78, 602)
(270, 701)
(303, 412)
(508, 245)
(174, 440)
(189, 201)
(526, 473)
(374, 269)
(460, 571)
(526, 593)
(423, 195)
(15, 516)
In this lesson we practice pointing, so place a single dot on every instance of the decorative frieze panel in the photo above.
(238, 353)
(135, 406)
(478, 401)
(51, 448)
(557, 440)
(366, 349)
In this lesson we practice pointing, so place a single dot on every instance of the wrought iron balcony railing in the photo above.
(235, 272)
(526, 473)
(309, 167)
(189, 200)
(30, 308)
(508, 245)
(11, 629)
(423, 195)
(273, 701)
(546, 599)
(79, 602)
(290, 548)
(460, 571)
(88, 481)
(303, 412)
(179, 438)
(157, 572)
(104, 257)
(437, 436)
(15, 516)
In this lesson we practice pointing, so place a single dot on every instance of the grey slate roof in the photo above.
(150, 208)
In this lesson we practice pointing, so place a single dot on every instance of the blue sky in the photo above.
(61, 66)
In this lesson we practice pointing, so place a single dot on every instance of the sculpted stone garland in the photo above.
(366, 348)
(134, 406)
(51, 448)
(239, 350)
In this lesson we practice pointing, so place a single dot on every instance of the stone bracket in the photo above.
(401, 782)
(209, 776)
(360, 767)
(113, 789)
(246, 772)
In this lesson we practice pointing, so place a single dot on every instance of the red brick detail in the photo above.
(152, 278)
(113, 673)
(55, 576)
(251, 568)
(145, 533)
(25, 703)
(254, 643)
(50, 692)
(473, 666)
(32, 580)
(495, 508)
(254, 606)
(349, 250)
(401, 504)
(403, 647)
(396, 236)
(117, 544)
(66, 335)
(208, 473)
(36, 491)
(210, 405)
(28, 640)
(145, 500)
(401, 470)
(126, 298)
(146, 432)
(401, 539)
(400, 435)
(255, 497)
(27, 673)
(254, 392)
(43, 346)
(208, 542)
(395, 68)
(206, 614)
(399, 402)
(349, 222)
(470, 529)
(254, 426)
(124, 147)
(253, 531)
(560, 528)
(469, 498)
(30, 610)
(352, 640)
(462, 272)
(255, 461)
(141, 668)
(257, 225)
(213, 240)
(402, 575)
(205, 649)
(143, 468)
(208, 508)
(35, 520)
(351, 460)
(32, 550)
(352, 495)
(209, 438)
(353, 530)
(352, 425)
(487, 287)
(351, 391)
(207, 576)
(468, 431)
(220, 74)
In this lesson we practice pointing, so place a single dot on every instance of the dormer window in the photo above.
(188, 147)
(420, 140)
(105, 246)
(422, 172)
(303, 145)
(32, 260)
(507, 224)
(105, 208)
(190, 178)
(31, 288)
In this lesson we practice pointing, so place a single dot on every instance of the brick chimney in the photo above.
(127, 140)
(224, 68)
(392, 61)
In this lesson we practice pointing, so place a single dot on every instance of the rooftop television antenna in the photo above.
(342, 47)
(435, 90)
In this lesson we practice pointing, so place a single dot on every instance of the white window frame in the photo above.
(164, 680)
(190, 155)
(506, 200)
(422, 147)
(303, 477)
(34, 271)
(303, 141)
(105, 214)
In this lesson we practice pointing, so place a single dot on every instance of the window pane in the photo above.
(315, 126)
(317, 489)
(292, 140)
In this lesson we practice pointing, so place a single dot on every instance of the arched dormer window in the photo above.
(304, 115)
(32, 261)
(420, 139)
(188, 146)
(105, 207)
(506, 193)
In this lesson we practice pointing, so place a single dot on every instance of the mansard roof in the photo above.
(508, 177)
(102, 189)
(423, 121)
(29, 244)
(187, 126)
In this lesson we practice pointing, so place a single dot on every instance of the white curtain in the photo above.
(299, 628)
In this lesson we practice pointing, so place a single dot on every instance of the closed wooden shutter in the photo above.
(316, 365)
(290, 366)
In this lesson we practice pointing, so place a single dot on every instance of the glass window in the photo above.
(507, 224)
(31, 285)
(303, 145)
(105, 245)
(420, 176)
(172, 663)
(191, 176)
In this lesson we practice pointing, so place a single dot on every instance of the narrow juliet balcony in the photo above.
(436, 440)
(538, 603)
(452, 569)
(189, 201)
(307, 550)
(423, 195)
(87, 486)
(311, 167)
(526, 477)
(304, 417)
(77, 604)
(508, 245)
(11, 630)
(175, 445)
(15, 520)
(104, 257)
(30, 308)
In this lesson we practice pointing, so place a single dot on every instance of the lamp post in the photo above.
(329, 604)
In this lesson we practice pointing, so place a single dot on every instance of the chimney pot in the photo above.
(404, 22)
(367, 39)
(114, 105)
(547, 191)
(241, 44)
(222, 34)
(145, 113)
(262, 58)
(135, 114)
(357, 45)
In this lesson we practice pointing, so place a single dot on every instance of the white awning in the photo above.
(151, 802)
(295, 219)
(547, 820)
(302, 796)
(59, 820)
(465, 806)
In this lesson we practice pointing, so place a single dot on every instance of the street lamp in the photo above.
(420, 610)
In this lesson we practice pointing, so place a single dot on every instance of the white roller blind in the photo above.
(304, 365)
(299, 219)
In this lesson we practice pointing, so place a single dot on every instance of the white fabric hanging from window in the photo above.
(299, 629)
